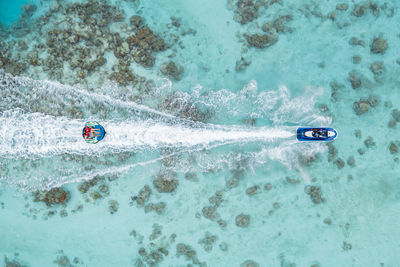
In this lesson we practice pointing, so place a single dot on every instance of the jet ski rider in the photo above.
(319, 133)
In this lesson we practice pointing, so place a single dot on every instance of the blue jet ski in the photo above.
(316, 134)
(93, 132)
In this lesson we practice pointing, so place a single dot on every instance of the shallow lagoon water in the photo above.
(261, 202)
(10, 11)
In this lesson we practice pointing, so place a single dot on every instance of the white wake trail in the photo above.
(155, 135)
(39, 151)
(38, 135)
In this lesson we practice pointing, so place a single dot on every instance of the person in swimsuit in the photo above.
(86, 132)
(91, 133)
(96, 132)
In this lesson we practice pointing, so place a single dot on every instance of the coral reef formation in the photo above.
(56, 195)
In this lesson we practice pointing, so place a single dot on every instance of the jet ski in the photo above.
(316, 134)
(93, 132)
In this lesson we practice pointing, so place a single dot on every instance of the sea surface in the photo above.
(200, 165)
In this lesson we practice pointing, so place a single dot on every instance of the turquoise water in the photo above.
(10, 11)
(200, 165)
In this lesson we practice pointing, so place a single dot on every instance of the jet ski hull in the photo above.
(305, 134)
